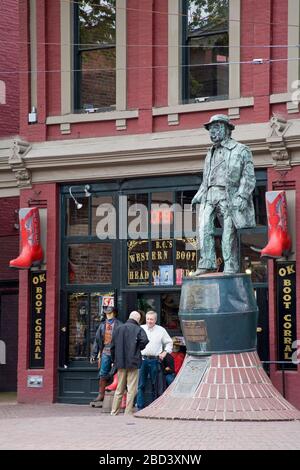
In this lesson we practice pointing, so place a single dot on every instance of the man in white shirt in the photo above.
(160, 343)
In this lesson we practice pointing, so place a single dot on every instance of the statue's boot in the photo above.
(200, 271)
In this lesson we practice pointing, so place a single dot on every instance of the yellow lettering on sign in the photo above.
(286, 271)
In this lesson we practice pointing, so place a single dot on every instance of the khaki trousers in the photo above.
(129, 378)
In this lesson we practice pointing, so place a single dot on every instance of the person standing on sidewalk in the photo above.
(160, 343)
(127, 343)
(102, 346)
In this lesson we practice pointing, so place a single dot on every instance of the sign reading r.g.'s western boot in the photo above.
(32, 252)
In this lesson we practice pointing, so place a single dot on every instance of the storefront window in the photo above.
(103, 217)
(138, 262)
(162, 262)
(85, 314)
(186, 222)
(250, 259)
(90, 263)
(78, 304)
(77, 220)
(137, 219)
(169, 312)
(186, 258)
(260, 205)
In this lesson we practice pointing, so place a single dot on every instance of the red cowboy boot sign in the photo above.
(32, 252)
(279, 240)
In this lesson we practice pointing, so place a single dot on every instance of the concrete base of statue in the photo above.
(222, 378)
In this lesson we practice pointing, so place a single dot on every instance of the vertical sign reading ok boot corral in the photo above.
(286, 312)
(37, 320)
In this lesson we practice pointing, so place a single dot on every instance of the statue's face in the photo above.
(217, 132)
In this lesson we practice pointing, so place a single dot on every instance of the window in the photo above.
(205, 50)
(94, 55)
(161, 245)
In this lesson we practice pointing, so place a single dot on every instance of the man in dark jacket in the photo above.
(102, 347)
(128, 341)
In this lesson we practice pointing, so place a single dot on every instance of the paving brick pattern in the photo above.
(234, 387)
(74, 427)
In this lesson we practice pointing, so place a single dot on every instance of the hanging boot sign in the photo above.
(32, 252)
(279, 240)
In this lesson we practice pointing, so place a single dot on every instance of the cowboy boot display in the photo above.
(113, 385)
(279, 240)
(32, 252)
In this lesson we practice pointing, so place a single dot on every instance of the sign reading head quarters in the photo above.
(37, 320)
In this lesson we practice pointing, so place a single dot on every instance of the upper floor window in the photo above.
(94, 55)
(205, 50)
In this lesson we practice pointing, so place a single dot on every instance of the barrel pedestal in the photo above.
(222, 378)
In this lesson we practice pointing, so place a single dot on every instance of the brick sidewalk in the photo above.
(72, 427)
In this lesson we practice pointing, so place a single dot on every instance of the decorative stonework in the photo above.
(17, 163)
(276, 143)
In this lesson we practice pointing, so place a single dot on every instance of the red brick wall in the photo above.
(292, 378)
(9, 61)
(262, 23)
(48, 392)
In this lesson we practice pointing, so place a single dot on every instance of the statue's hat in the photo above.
(219, 118)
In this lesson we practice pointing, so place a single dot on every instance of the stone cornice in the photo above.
(173, 152)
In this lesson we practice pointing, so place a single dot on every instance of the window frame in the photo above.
(186, 38)
(78, 50)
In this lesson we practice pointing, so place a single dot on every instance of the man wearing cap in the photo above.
(102, 346)
(225, 193)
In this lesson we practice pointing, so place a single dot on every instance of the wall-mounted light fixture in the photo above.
(87, 193)
(77, 204)
(87, 190)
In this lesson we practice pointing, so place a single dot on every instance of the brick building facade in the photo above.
(148, 145)
(9, 200)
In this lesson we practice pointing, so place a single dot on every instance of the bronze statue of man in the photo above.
(225, 193)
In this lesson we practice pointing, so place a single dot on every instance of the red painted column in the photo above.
(48, 392)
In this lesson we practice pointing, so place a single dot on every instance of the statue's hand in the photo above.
(196, 199)
(241, 203)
